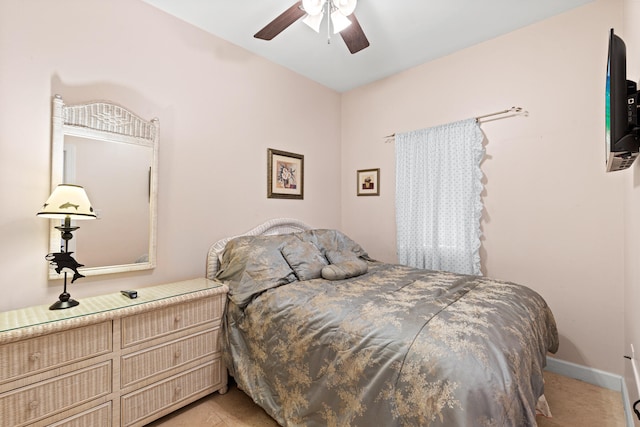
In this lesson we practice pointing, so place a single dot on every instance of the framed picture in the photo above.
(369, 182)
(285, 175)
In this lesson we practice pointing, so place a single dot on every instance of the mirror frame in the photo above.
(105, 121)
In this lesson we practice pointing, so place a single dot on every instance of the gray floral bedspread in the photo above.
(395, 346)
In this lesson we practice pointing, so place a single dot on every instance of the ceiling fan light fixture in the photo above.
(339, 14)
(313, 7)
(314, 21)
(339, 21)
(346, 7)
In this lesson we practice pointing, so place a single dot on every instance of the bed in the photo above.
(319, 334)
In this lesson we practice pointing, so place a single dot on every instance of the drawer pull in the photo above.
(33, 404)
(35, 356)
(178, 354)
(178, 391)
(178, 318)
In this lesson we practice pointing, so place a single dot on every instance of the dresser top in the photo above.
(39, 319)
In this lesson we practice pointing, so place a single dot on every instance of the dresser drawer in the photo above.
(162, 358)
(33, 355)
(153, 324)
(99, 416)
(26, 405)
(163, 395)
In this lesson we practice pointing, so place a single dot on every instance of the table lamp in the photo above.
(67, 202)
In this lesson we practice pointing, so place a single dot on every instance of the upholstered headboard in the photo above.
(274, 226)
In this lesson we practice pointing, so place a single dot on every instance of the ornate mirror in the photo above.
(113, 154)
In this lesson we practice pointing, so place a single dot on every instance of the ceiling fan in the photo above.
(339, 14)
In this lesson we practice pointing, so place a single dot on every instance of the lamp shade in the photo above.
(339, 21)
(346, 7)
(314, 21)
(68, 200)
(313, 7)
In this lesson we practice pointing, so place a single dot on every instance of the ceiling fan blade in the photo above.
(353, 36)
(281, 22)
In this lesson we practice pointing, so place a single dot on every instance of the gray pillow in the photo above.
(253, 264)
(338, 257)
(345, 270)
(332, 241)
(305, 259)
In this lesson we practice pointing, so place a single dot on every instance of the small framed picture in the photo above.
(285, 175)
(369, 182)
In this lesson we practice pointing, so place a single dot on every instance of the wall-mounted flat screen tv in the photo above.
(622, 140)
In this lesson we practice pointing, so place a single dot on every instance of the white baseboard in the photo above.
(596, 377)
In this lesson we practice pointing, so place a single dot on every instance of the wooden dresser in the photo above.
(112, 361)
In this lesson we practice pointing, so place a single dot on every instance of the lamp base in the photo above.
(64, 302)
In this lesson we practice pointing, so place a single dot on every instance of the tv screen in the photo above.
(621, 123)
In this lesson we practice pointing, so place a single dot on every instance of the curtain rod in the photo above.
(514, 110)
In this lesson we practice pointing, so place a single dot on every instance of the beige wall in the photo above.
(553, 220)
(219, 106)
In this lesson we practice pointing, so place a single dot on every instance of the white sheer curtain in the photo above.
(438, 205)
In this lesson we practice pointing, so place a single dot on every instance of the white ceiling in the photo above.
(402, 33)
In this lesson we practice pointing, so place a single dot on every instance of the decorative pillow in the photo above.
(253, 264)
(338, 257)
(305, 259)
(332, 241)
(345, 270)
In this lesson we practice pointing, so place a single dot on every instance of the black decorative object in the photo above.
(62, 260)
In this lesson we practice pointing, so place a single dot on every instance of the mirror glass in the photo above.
(113, 155)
